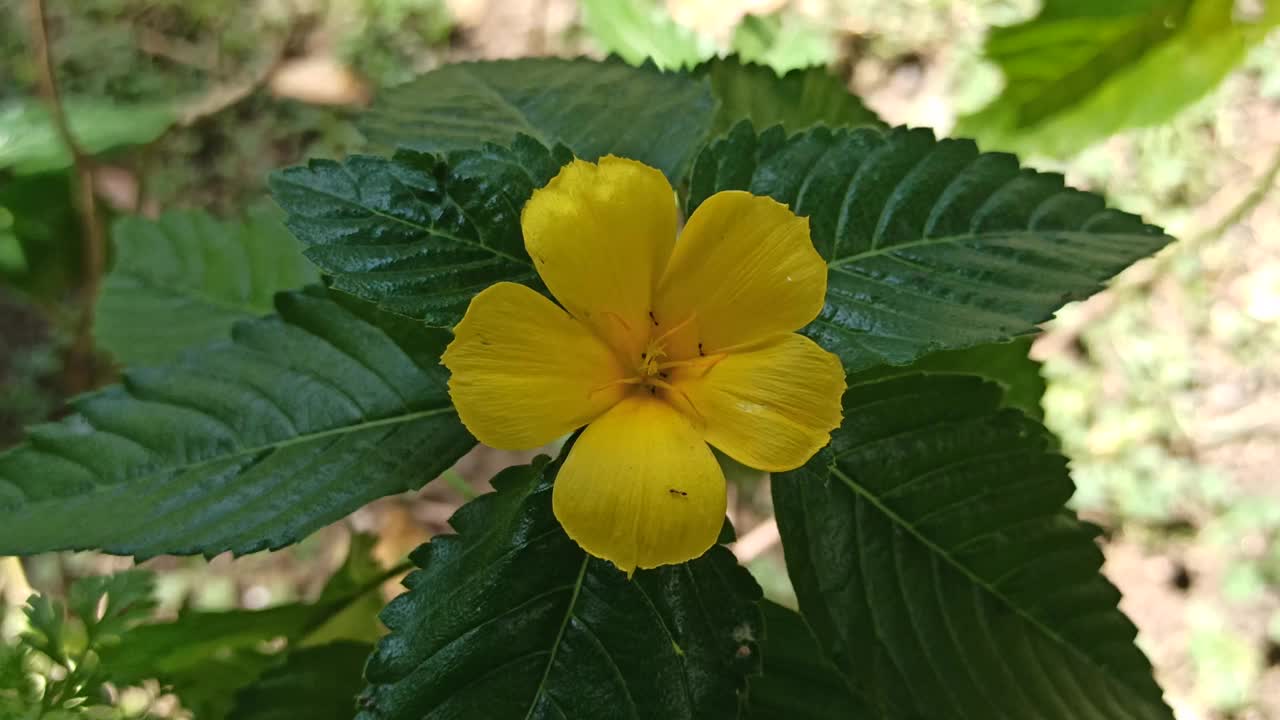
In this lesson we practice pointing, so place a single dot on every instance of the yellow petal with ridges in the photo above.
(744, 270)
(771, 407)
(640, 488)
(600, 235)
(525, 373)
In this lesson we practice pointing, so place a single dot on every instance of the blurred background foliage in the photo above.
(1164, 389)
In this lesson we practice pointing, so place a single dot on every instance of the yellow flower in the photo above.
(661, 348)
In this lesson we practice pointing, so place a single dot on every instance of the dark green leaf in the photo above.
(798, 682)
(640, 30)
(1007, 363)
(186, 278)
(245, 445)
(29, 143)
(594, 108)
(318, 683)
(797, 101)
(510, 619)
(1084, 69)
(42, 219)
(931, 552)
(932, 245)
(417, 234)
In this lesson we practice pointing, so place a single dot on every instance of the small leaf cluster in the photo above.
(77, 657)
(55, 667)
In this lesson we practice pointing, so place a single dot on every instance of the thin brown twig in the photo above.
(1142, 277)
(225, 96)
(758, 541)
(80, 373)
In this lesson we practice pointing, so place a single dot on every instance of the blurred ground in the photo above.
(1164, 389)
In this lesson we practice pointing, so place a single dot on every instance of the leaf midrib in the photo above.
(141, 281)
(274, 447)
(963, 569)
(428, 230)
(506, 103)
(555, 646)
(953, 239)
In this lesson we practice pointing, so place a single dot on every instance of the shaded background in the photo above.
(1164, 389)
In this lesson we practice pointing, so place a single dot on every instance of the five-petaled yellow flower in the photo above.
(662, 347)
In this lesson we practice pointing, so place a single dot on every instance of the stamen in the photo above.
(618, 318)
(675, 329)
(672, 388)
(728, 349)
(626, 381)
(709, 361)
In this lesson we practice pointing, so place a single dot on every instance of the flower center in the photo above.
(653, 369)
(651, 359)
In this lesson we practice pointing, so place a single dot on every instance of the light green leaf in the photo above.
(357, 578)
(186, 278)
(29, 143)
(797, 100)
(1083, 70)
(640, 30)
(783, 41)
(245, 445)
(932, 246)
(933, 556)
(593, 108)
(417, 234)
(318, 683)
(511, 619)
(797, 681)
(110, 604)
(1006, 363)
(207, 656)
(47, 618)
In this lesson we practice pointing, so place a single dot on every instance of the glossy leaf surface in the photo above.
(934, 558)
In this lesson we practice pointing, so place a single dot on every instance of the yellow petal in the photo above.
(744, 269)
(641, 488)
(771, 407)
(525, 373)
(600, 235)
